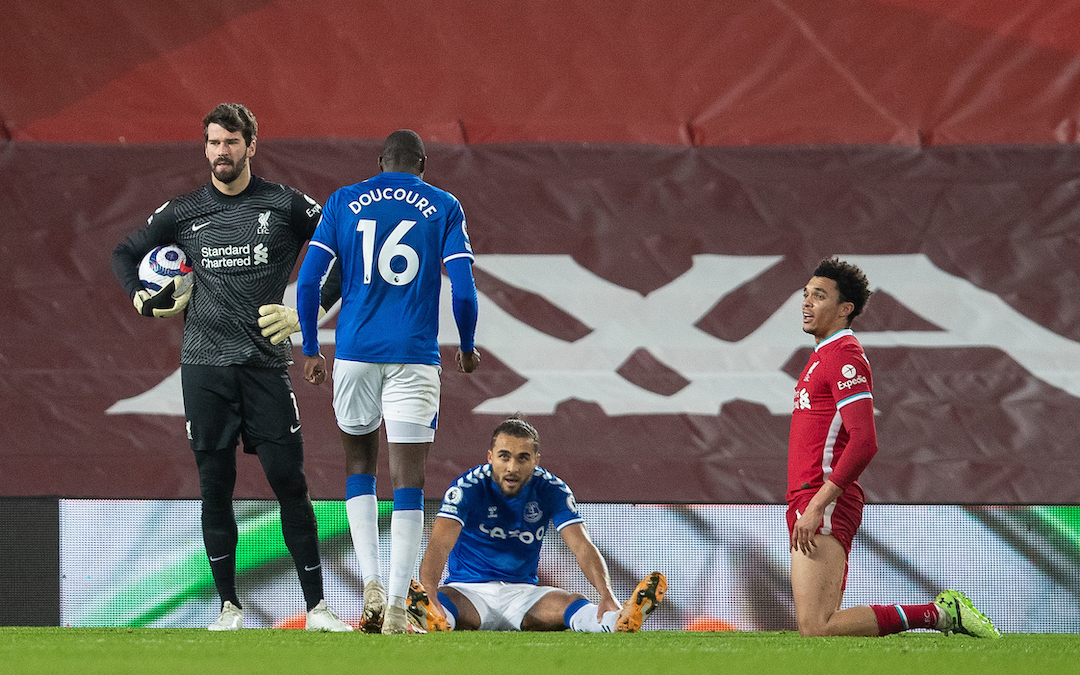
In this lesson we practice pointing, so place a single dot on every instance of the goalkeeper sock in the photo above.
(580, 616)
(217, 475)
(362, 509)
(406, 528)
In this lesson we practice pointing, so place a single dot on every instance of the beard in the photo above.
(228, 172)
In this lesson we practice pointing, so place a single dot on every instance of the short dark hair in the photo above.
(517, 428)
(232, 117)
(403, 149)
(851, 282)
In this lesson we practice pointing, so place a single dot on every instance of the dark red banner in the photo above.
(639, 304)
(648, 187)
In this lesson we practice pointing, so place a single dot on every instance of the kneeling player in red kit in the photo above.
(832, 440)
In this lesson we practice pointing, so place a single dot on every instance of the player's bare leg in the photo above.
(361, 453)
(549, 612)
(362, 508)
(817, 585)
(408, 464)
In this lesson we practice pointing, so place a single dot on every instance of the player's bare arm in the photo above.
(592, 565)
(444, 534)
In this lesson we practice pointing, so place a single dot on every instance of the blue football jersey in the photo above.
(501, 537)
(391, 234)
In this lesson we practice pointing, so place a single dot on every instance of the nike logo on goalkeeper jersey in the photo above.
(196, 228)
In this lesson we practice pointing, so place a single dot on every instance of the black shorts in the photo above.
(225, 403)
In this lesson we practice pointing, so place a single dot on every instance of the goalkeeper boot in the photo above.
(422, 616)
(396, 621)
(641, 604)
(321, 618)
(963, 617)
(374, 607)
(232, 618)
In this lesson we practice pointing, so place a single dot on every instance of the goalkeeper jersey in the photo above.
(501, 536)
(243, 249)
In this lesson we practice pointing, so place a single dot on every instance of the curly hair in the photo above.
(851, 282)
(232, 117)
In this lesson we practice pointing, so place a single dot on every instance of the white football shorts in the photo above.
(406, 395)
(502, 605)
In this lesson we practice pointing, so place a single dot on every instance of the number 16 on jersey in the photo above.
(391, 248)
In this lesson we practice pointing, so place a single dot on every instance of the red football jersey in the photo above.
(837, 375)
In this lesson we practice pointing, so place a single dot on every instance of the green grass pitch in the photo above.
(148, 651)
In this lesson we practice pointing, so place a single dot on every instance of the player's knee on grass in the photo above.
(813, 628)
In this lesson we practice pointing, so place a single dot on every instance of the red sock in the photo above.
(898, 618)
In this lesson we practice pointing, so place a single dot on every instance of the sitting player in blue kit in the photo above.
(490, 528)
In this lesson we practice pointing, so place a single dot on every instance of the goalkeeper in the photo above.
(242, 236)
(490, 527)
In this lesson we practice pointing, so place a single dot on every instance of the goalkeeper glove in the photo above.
(278, 322)
(169, 301)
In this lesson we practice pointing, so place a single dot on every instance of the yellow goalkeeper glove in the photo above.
(278, 322)
(169, 301)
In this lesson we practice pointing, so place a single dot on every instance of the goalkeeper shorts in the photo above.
(224, 404)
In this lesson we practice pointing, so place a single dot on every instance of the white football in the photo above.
(163, 264)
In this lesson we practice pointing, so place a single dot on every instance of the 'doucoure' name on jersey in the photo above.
(391, 234)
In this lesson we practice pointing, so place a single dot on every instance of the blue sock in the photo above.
(449, 606)
(570, 611)
(359, 484)
(408, 499)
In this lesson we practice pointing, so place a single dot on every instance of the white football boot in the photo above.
(232, 618)
(321, 618)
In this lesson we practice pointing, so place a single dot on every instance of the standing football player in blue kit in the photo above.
(392, 234)
(490, 529)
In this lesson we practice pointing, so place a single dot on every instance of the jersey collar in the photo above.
(843, 332)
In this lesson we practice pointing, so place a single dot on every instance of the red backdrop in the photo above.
(630, 145)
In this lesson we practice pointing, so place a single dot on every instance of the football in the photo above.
(163, 264)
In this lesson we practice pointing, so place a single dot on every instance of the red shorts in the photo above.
(842, 517)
